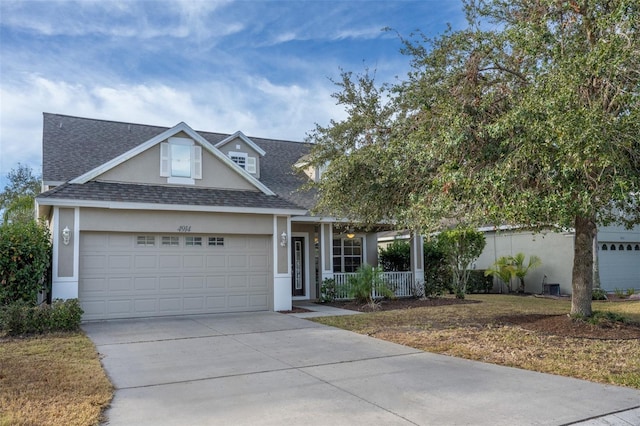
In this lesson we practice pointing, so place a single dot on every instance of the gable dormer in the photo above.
(242, 151)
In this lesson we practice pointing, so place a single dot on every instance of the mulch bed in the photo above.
(564, 325)
(405, 303)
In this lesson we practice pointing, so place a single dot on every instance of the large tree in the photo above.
(529, 116)
(17, 198)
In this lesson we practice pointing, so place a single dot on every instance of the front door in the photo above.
(298, 267)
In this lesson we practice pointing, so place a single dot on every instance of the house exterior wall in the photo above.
(145, 168)
(94, 219)
(555, 249)
(65, 252)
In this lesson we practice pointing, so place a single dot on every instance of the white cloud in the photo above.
(253, 105)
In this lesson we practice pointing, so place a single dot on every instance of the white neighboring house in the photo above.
(618, 254)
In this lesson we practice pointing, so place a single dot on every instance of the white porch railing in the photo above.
(401, 283)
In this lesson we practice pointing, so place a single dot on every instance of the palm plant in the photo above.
(504, 269)
(521, 270)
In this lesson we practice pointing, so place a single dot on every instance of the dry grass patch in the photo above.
(479, 332)
(52, 379)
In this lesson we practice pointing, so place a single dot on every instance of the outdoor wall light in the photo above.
(350, 234)
(66, 235)
(283, 239)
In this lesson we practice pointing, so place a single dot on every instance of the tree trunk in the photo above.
(582, 279)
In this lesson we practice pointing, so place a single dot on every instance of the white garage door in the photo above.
(137, 275)
(619, 265)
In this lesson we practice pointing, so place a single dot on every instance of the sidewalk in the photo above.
(320, 310)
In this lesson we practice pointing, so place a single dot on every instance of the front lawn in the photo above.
(525, 332)
(53, 379)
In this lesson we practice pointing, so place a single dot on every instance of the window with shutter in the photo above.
(180, 161)
(251, 165)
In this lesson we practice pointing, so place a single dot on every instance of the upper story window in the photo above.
(180, 161)
(244, 161)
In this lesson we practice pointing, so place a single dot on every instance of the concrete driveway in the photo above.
(274, 369)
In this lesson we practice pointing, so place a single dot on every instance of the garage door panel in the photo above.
(149, 261)
(122, 276)
(116, 284)
(170, 261)
(170, 304)
(145, 306)
(259, 262)
(216, 281)
(237, 282)
(193, 304)
(191, 283)
(94, 263)
(237, 261)
(170, 283)
(146, 283)
(119, 307)
(216, 261)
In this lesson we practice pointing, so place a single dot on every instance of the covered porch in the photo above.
(322, 249)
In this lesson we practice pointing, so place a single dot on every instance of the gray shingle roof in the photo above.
(73, 146)
(173, 195)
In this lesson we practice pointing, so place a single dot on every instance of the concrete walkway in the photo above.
(271, 369)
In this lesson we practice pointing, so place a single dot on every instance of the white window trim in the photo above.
(165, 161)
(239, 155)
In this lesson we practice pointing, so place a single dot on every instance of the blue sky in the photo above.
(262, 67)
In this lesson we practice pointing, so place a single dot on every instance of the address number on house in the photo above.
(184, 228)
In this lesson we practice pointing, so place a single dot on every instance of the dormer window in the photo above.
(244, 161)
(180, 161)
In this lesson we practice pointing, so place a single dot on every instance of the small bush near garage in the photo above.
(21, 318)
(25, 253)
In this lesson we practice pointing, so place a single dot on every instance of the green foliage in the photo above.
(328, 290)
(17, 198)
(461, 247)
(21, 318)
(479, 282)
(506, 268)
(630, 292)
(521, 270)
(598, 294)
(396, 257)
(25, 255)
(363, 284)
(619, 293)
(603, 318)
(437, 274)
(529, 116)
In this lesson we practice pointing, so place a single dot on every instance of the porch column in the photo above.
(66, 251)
(326, 247)
(417, 262)
(281, 263)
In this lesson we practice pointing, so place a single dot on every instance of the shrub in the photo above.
(479, 282)
(22, 318)
(461, 246)
(619, 293)
(598, 294)
(630, 292)
(328, 290)
(437, 275)
(396, 257)
(25, 253)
